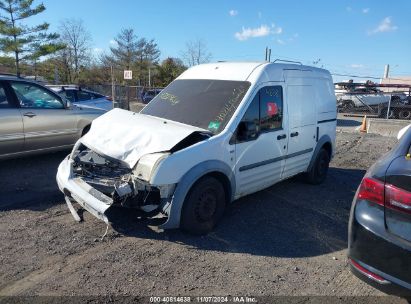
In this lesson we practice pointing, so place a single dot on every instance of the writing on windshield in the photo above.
(203, 103)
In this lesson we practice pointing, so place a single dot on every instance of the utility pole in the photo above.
(56, 76)
(113, 89)
(149, 76)
(267, 54)
(386, 70)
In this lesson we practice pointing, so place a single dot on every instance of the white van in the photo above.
(218, 132)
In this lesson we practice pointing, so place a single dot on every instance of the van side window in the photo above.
(249, 126)
(271, 108)
(265, 113)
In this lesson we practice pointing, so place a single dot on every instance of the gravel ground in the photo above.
(289, 239)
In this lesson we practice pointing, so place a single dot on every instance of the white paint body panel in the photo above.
(127, 136)
(143, 142)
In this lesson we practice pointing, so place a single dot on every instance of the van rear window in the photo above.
(207, 104)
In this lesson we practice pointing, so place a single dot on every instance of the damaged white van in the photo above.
(218, 132)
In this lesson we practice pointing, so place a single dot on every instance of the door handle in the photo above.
(279, 137)
(294, 134)
(29, 114)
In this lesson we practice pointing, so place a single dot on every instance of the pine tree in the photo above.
(24, 42)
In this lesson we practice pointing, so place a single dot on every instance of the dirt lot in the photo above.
(289, 239)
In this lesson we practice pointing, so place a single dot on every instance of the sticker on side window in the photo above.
(213, 125)
(272, 108)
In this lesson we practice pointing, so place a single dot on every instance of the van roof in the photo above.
(242, 71)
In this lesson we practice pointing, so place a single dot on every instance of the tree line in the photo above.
(68, 57)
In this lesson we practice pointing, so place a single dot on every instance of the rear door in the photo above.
(302, 115)
(47, 123)
(11, 123)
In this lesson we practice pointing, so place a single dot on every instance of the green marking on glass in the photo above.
(213, 125)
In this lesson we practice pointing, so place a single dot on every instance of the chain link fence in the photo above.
(373, 102)
(370, 101)
(127, 97)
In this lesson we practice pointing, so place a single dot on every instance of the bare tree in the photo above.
(196, 52)
(78, 44)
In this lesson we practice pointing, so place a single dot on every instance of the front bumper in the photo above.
(76, 190)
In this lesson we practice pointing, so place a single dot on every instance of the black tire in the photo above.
(347, 105)
(404, 114)
(318, 171)
(203, 206)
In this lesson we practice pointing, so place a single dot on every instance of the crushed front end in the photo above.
(98, 182)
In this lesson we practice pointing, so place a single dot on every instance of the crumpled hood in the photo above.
(127, 136)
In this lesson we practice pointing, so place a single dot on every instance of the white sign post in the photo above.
(128, 74)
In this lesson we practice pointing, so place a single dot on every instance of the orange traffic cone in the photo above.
(364, 125)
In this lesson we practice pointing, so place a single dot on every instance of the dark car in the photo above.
(379, 236)
(79, 96)
(150, 94)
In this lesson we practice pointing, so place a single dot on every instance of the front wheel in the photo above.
(318, 171)
(346, 105)
(204, 206)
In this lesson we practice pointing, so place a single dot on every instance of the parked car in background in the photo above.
(217, 133)
(35, 119)
(150, 94)
(80, 96)
(379, 240)
(352, 95)
(360, 97)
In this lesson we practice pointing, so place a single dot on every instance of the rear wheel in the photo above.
(203, 206)
(318, 171)
(404, 114)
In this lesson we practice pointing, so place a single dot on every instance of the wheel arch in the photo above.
(215, 168)
(324, 142)
(85, 129)
(223, 179)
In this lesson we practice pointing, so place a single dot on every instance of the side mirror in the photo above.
(247, 130)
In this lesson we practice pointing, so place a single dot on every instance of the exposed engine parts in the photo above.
(113, 179)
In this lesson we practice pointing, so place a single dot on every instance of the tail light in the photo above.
(374, 191)
(109, 98)
(396, 198)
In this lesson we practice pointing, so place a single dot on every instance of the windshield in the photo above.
(206, 104)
